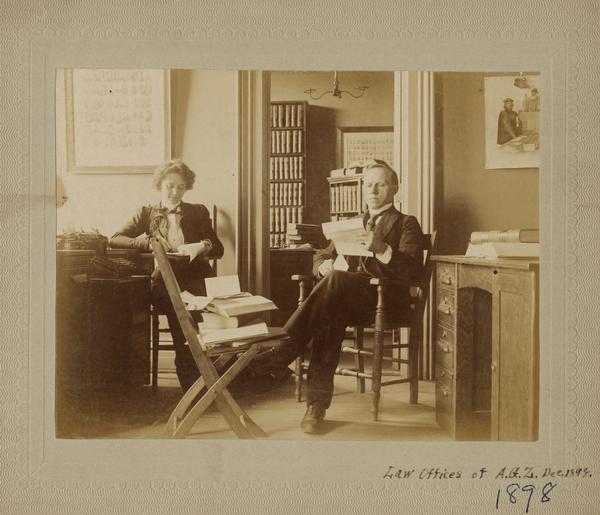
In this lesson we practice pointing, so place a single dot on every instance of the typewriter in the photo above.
(81, 240)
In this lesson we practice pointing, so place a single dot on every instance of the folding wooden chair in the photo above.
(186, 413)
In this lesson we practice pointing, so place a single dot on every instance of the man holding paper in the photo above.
(183, 228)
(388, 244)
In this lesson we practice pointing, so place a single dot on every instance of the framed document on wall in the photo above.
(358, 144)
(118, 120)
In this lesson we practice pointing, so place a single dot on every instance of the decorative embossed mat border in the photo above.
(40, 474)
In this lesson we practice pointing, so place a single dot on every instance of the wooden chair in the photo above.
(189, 410)
(412, 320)
(157, 343)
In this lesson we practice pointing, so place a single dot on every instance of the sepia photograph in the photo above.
(393, 300)
(277, 257)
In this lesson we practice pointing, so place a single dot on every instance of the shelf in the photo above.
(287, 180)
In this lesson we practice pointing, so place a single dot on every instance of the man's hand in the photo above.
(374, 243)
(325, 267)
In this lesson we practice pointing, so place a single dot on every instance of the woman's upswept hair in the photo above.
(175, 166)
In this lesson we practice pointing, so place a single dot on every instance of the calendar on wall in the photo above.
(118, 120)
(359, 144)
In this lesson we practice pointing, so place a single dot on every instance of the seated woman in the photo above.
(175, 223)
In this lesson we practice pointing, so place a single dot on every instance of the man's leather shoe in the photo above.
(311, 423)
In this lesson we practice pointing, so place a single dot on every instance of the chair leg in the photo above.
(155, 344)
(377, 352)
(359, 360)
(415, 339)
(299, 367)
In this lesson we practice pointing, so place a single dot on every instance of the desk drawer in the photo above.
(445, 308)
(444, 355)
(446, 275)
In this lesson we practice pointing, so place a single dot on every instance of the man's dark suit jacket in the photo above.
(402, 233)
(195, 225)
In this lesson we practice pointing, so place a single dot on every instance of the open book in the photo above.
(348, 236)
(225, 298)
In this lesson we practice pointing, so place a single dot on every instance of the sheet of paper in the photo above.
(348, 236)
(194, 302)
(190, 249)
(224, 285)
(340, 264)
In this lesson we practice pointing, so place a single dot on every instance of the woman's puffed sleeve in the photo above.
(208, 233)
(127, 236)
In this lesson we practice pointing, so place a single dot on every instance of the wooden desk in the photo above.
(487, 347)
(103, 327)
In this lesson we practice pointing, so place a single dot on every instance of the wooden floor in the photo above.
(142, 414)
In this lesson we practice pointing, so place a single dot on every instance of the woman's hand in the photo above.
(162, 241)
(201, 248)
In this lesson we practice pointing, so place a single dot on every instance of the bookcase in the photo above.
(287, 168)
(345, 196)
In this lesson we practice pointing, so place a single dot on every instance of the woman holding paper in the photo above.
(183, 228)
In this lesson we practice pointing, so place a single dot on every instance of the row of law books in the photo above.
(345, 198)
(287, 115)
(229, 315)
(287, 142)
(277, 240)
(286, 194)
(286, 167)
(280, 217)
(510, 243)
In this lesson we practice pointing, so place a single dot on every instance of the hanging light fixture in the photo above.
(336, 91)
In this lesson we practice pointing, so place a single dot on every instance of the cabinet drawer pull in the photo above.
(445, 307)
(446, 279)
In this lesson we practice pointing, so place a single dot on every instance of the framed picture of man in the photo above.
(512, 121)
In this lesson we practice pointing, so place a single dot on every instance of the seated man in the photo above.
(345, 298)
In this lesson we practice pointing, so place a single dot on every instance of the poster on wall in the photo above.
(118, 120)
(512, 122)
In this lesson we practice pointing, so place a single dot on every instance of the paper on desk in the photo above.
(194, 302)
(190, 249)
(348, 236)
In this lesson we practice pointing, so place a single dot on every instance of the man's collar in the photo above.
(374, 212)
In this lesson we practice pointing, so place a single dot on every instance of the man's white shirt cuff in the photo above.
(386, 256)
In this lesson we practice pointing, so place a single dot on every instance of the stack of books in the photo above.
(229, 315)
(301, 235)
(511, 243)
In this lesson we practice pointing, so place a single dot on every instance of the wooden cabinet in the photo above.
(515, 358)
(487, 349)
(284, 291)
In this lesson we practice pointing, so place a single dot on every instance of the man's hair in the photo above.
(380, 163)
(175, 166)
